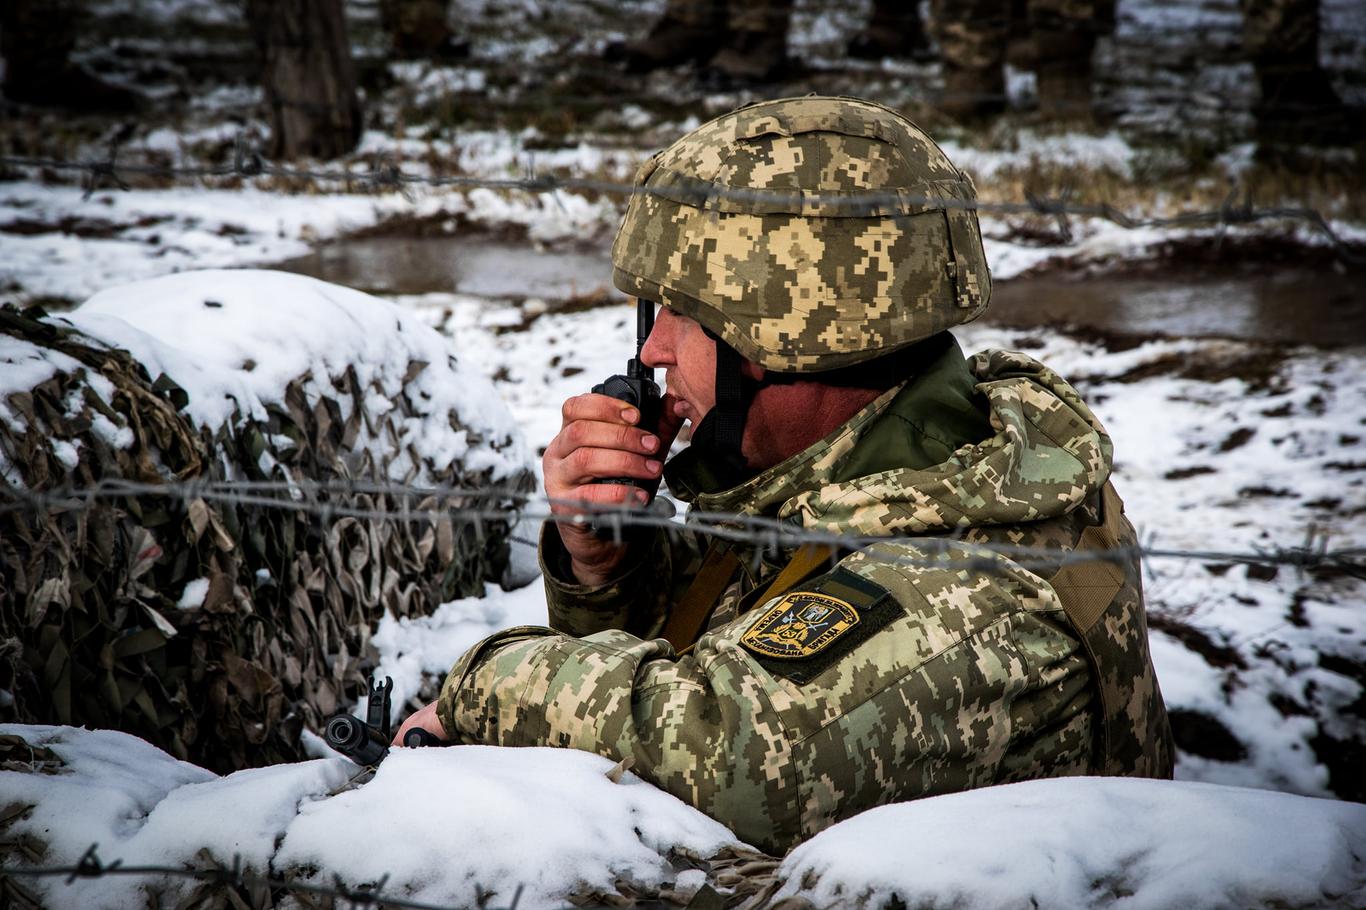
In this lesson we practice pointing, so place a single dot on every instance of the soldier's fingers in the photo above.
(591, 406)
(565, 467)
(426, 719)
(587, 464)
(588, 496)
(601, 435)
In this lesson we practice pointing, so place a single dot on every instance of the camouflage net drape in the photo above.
(91, 627)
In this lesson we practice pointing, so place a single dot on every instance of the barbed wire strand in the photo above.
(239, 876)
(767, 534)
(386, 175)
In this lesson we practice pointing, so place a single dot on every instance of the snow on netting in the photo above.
(217, 629)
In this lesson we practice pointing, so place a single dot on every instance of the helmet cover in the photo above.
(808, 233)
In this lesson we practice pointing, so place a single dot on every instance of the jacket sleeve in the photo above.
(968, 683)
(636, 602)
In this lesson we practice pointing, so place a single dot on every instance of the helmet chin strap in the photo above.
(721, 431)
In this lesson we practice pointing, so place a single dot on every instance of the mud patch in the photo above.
(577, 304)
(1184, 473)
(1215, 654)
(1344, 760)
(1201, 734)
(81, 226)
(1257, 365)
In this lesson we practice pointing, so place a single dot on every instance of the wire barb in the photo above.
(240, 876)
(385, 501)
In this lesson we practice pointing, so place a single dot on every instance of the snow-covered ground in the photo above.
(533, 98)
(1220, 445)
(534, 828)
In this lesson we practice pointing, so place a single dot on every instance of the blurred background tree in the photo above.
(308, 77)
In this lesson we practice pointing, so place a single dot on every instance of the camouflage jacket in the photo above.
(914, 667)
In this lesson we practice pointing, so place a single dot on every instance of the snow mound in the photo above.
(440, 823)
(445, 826)
(234, 339)
(1090, 842)
(220, 620)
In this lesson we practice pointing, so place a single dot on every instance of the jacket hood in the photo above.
(1046, 454)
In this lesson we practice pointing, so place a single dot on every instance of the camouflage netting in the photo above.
(215, 630)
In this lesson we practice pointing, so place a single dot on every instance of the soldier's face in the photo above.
(688, 358)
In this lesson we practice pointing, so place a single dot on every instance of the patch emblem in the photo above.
(799, 625)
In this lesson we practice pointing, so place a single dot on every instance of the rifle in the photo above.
(366, 742)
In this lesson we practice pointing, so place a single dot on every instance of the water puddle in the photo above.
(1279, 301)
(1272, 302)
(478, 267)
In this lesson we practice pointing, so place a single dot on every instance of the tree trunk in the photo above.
(308, 76)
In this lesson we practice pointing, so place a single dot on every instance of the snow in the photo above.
(152, 232)
(411, 646)
(443, 822)
(192, 597)
(234, 339)
(442, 825)
(27, 365)
(24, 365)
(1189, 484)
(439, 823)
(466, 816)
(1087, 842)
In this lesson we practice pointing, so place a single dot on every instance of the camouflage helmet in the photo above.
(808, 233)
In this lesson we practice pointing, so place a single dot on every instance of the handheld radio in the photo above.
(637, 388)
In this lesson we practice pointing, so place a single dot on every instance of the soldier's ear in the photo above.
(751, 370)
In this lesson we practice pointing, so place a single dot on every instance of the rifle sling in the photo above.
(694, 608)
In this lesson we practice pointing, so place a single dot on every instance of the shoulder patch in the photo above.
(800, 624)
(807, 630)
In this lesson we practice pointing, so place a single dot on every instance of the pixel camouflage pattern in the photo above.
(980, 679)
(759, 225)
(809, 233)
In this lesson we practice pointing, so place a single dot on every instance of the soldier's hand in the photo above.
(598, 438)
(424, 718)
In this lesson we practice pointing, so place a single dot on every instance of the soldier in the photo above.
(36, 41)
(420, 29)
(802, 331)
(747, 42)
(1298, 103)
(973, 36)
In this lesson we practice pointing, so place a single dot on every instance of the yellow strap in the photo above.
(1088, 588)
(693, 609)
(699, 601)
(808, 558)
(805, 562)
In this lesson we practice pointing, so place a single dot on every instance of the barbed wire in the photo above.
(236, 875)
(769, 536)
(384, 174)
